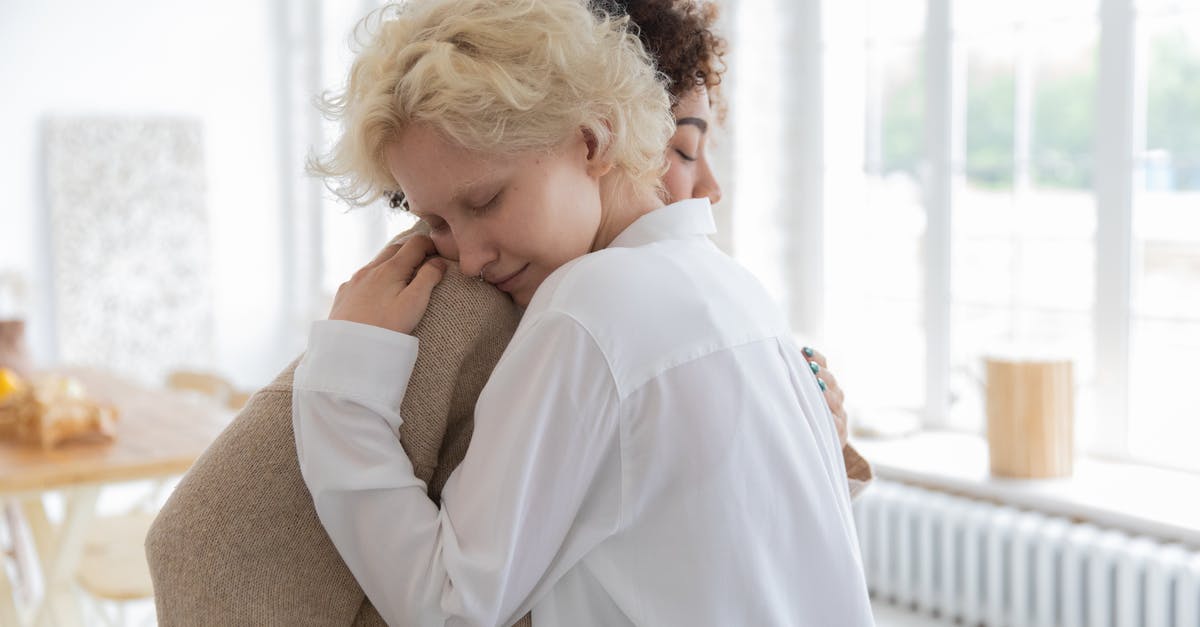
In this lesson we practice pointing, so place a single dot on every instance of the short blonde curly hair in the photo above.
(498, 77)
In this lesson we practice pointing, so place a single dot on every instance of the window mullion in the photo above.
(944, 149)
(802, 196)
(1118, 110)
(298, 47)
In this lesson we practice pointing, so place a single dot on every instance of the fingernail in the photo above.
(822, 384)
(808, 352)
(814, 366)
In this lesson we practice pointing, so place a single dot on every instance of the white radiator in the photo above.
(984, 564)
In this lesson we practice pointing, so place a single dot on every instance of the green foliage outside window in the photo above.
(1064, 121)
(1173, 110)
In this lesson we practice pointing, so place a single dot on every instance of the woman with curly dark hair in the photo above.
(680, 37)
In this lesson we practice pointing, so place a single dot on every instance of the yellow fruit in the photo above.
(10, 383)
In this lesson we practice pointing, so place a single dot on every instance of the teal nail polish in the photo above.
(822, 384)
(808, 352)
(814, 366)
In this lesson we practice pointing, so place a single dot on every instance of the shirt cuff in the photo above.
(359, 361)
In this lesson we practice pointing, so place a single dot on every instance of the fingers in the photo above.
(429, 275)
(394, 291)
(388, 252)
(421, 287)
(836, 399)
(813, 354)
(833, 392)
(831, 382)
(839, 421)
(816, 362)
(411, 255)
(834, 396)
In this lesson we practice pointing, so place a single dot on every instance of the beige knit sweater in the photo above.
(239, 542)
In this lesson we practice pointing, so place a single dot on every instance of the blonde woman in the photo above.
(652, 447)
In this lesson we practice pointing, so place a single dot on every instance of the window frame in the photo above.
(1121, 95)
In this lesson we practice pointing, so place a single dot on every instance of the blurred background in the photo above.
(921, 183)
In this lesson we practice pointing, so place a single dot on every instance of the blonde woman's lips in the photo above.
(506, 284)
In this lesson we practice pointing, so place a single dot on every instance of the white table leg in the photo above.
(60, 606)
(17, 599)
(34, 511)
(8, 603)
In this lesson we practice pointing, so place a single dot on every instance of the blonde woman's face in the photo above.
(689, 174)
(513, 219)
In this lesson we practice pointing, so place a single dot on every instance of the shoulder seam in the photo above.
(621, 507)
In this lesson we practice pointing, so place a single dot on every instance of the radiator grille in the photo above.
(984, 564)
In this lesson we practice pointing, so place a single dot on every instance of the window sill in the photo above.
(1141, 500)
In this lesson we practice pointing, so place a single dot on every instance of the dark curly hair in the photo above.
(678, 35)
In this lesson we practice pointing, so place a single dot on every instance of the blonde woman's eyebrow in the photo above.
(459, 198)
(697, 122)
(463, 192)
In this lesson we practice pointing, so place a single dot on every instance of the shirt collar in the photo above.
(674, 221)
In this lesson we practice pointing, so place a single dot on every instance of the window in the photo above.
(990, 174)
(1023, 220)
(875, 232)
(1026, 221)
(1165, 308)
(348, 238)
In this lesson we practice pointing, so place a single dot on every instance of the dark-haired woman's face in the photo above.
(689, 174)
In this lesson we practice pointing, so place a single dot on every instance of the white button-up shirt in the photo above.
(651, 449)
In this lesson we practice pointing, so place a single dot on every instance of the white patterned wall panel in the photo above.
(129, 232)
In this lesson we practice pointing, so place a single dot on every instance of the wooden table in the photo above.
(160, 433)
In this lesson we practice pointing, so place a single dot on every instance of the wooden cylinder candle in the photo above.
(1030, 417)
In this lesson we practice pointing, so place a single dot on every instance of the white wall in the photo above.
(211, 60)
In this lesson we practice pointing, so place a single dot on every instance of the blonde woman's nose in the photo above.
(473, 256)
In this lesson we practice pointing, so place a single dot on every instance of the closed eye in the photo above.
(683, 155)
(489, 205)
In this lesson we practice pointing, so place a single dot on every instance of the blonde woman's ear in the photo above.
(598, 162)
